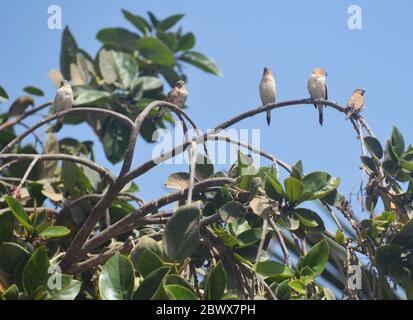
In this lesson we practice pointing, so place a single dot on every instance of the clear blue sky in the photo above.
(292, 37)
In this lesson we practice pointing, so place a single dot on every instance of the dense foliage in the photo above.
(70, 229)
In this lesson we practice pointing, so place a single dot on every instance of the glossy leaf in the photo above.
(19, 213)
(374, 147)
(317, 257)
(177, 292)
(293, 188)
(36, 272)
(216, 282)
(54, 232)
(116, 281)
(182, 232)
(69, 290)
(151, 284)
(92, 97)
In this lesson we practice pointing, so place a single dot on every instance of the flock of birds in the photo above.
(317, 88)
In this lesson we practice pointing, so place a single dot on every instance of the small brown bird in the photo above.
(176, 96)
(356, 103)
(268, 90)
(317, 87)
(62, 101)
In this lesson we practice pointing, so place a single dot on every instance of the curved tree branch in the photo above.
(65, 157)
(50, 118)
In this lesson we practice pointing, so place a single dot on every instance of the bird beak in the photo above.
(326, 73)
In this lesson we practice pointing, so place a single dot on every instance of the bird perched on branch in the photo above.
(268, 90)
(317, 87)
(176, 96)
(356, 103)
(62, 101)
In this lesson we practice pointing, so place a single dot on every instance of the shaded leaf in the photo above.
(140, 23)
(20, 105)
(186, 42)
(119, 37)
(216, 282)
(169, 22)
(34, 91)
(374, 147)
(317, 257)
(201, 61)
(3, 95)
(182, 232)
(178, 180)
(150, 285)
(156, 51)
(68, 52)
(231, 211)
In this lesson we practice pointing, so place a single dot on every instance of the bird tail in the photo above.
(320, 114)
(59, 124)
(349, 114)
(268, 117)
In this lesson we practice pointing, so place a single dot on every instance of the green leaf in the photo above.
(408, 165)
(178, 180)
(19, 213)
(389, 167)
(226, 238)
(118, 37)
(36, 272)
(118, 67)
(273, 187)
(182, 232)
(177, 292)
(203, 167)
(297, 286)
(92, 97)
(298, 170)
(148, 262)
(283, 290)
(11, 255)
(374, 147)
(12, 293)
(386, 255)
(149, 83)
(34, 91)
(145, 244)
(3, 95)
(170, 21)
(186, 42)
(368, 164)
(310, 219)
(405, 235)
(293, 188)
(317, 258)
(318, 185)
(272, 268)
(6, 227)
(397, 141)
(140, 23)
(216, 282)
(116, 281)
(231, 211)
(68, 53)
(156, 51)
(202, 62)
(115, 140)
(150, 285)
(69, 290)
(54, 232)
